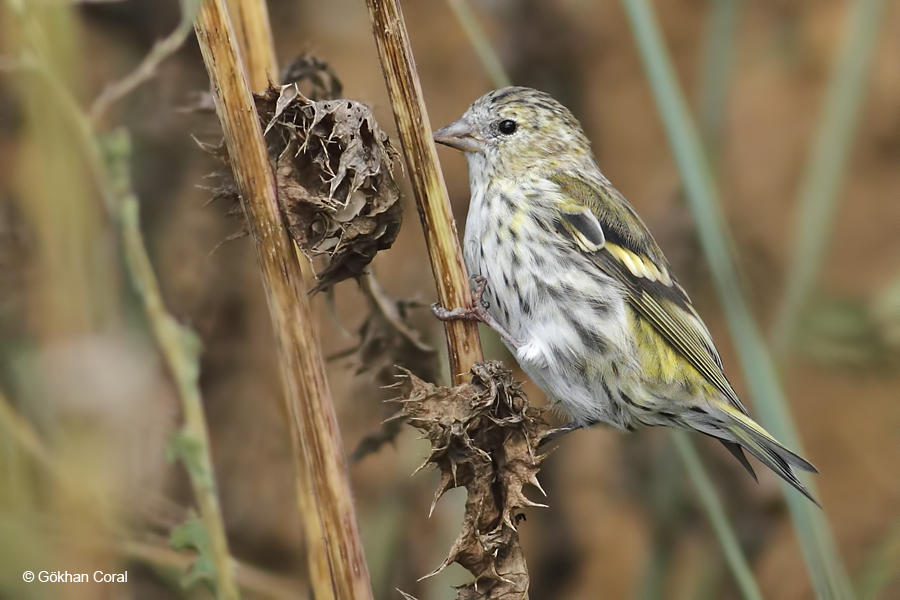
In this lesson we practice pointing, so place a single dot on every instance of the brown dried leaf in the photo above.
(484, 437)
(388, 341)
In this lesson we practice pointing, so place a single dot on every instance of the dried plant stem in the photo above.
(161, 50)
(303, 372)
(463, 342)
(261, 67)
(313, 534)
(250, 21)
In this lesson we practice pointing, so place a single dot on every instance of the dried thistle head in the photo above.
(333, 171)
(484, 437)
(332, 167)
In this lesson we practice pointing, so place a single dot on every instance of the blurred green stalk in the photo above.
(827, 164)
(718, 55)
(743, 574)
(881, 567)
(823, 561)
(489, 59)
(667, 504)
(178, 345)
(180, 348)
(21, 432)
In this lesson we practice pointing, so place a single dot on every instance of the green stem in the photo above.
(881, 567)
(734, 554)
(486, 54)
(718, 56)
(180, 348)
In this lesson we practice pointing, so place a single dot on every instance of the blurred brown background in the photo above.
(623, 521)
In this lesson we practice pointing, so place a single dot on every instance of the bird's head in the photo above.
(517, 130)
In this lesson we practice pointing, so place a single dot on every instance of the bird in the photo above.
(571, 278)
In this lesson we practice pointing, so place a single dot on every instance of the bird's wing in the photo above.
(606, 228)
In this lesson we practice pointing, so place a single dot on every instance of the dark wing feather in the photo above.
(652, 292)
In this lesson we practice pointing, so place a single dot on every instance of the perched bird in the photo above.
(579, 290)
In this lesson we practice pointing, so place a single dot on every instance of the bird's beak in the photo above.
(459, 135)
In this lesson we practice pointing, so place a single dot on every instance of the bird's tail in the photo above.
(757, 441)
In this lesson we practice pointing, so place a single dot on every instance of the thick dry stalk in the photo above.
(250, 21)
(313, 536)
(463, 342)
(303, 371)
(488, 546)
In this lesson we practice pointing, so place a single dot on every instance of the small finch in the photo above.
(579, 290)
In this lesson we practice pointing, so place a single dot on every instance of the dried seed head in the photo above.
(333, 171)
(484, 437)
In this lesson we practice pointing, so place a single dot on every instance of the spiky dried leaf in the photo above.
(387, 341)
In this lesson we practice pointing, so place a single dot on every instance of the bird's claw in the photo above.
(478, 292)
(559, 432)
(477, 312)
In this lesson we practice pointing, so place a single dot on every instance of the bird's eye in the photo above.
(507, 127)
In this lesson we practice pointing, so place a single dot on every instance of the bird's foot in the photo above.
(477, 312)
